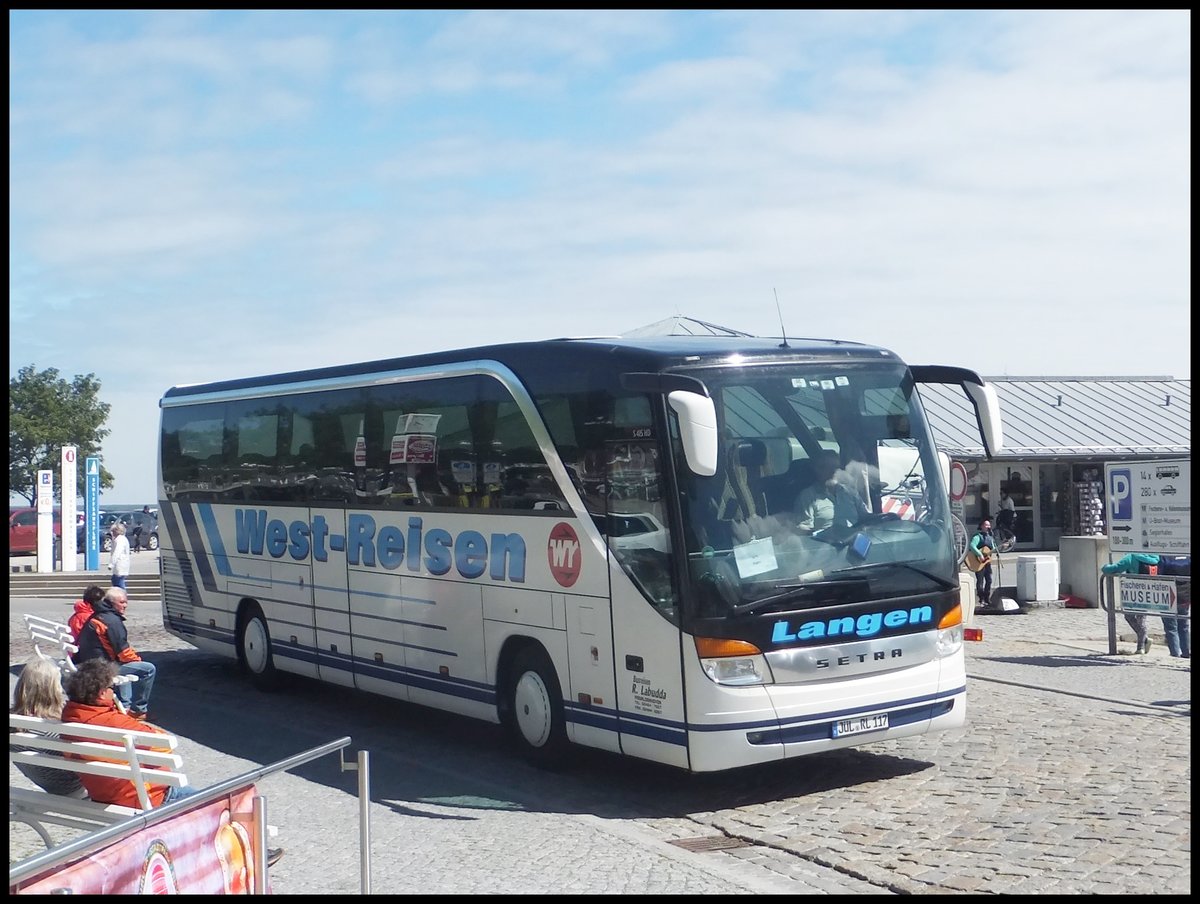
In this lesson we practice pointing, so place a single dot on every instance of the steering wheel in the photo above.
(878, 517)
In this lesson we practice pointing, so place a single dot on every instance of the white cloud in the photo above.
(236, 193)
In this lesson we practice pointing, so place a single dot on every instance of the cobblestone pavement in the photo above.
(1072, 775)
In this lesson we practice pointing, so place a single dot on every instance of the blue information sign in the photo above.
(91, 506)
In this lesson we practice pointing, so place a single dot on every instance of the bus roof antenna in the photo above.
(782, 331)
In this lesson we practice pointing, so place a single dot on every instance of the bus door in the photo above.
(591, 705)
(645, 608)
(331, 599)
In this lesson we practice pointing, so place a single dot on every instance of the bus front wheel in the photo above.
(254, 649)
(535, 709)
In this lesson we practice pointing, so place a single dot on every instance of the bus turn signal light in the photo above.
(719, 647)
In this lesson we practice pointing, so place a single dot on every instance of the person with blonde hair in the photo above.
(118, 559)
(39, 693)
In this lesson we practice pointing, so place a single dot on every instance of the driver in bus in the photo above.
(828, 502)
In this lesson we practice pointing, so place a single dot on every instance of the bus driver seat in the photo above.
(745, 476)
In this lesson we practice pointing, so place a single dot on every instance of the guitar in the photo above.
(976, 563)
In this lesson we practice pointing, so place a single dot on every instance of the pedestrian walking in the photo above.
(1135, 563)
(141, 522)
(118, 561)
(1178, 628)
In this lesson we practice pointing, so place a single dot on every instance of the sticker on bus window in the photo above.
(421, 449)
(755, 557)
(399, 450)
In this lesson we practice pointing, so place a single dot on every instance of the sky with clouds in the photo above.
(198, 195)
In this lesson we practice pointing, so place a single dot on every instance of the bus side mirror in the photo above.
(987, 410)
(697, 430)
(982, 396)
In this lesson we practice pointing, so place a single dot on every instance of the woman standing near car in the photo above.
(118, 561)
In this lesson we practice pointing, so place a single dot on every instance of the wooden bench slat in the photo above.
(141, 737)
(76, 806)
(173, 765)
(131, 759)
(61, 647)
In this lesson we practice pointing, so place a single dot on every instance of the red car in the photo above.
(23, 529)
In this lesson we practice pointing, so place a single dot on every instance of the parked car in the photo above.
(148, 521)
(105, 521)
(23, 529)
(639, 530)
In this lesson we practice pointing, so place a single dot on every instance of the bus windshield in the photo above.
(828, 490)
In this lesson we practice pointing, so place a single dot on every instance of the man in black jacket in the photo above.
(104, 637)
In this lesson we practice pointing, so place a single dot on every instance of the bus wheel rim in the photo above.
(256, 645)
(531, 705)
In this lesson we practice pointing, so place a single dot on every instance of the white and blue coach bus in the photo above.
(590, 541)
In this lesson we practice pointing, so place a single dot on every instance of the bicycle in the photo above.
(1006, 539)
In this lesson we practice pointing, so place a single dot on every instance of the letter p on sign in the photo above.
(1120, 496)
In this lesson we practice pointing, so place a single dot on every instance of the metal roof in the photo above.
(1070, 417)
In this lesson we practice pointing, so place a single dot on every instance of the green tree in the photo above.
(45, 413)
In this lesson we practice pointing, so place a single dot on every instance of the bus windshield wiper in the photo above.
(874, 566)
(852, 574)
(788, 592)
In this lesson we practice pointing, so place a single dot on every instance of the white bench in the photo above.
(59, 644)
(132, 760)
(55, 637)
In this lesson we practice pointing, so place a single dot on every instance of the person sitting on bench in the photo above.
(39, 693)
(90, 700)
(104, 637)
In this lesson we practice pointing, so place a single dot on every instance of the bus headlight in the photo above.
(950, 632)
(732, 662)
(949, 640)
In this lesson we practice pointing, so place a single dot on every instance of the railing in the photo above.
(93, 841)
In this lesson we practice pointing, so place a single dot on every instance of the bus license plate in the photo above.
(859, 725)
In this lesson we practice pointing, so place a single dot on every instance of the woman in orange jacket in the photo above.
(90, 700)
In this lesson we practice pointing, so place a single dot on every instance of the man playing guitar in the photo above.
(979, 559)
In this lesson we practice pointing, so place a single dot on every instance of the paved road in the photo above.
(1072, 775)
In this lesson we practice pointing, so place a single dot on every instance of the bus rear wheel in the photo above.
(534, 709)
(254, 649)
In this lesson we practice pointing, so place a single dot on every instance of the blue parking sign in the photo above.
(1120, 494)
